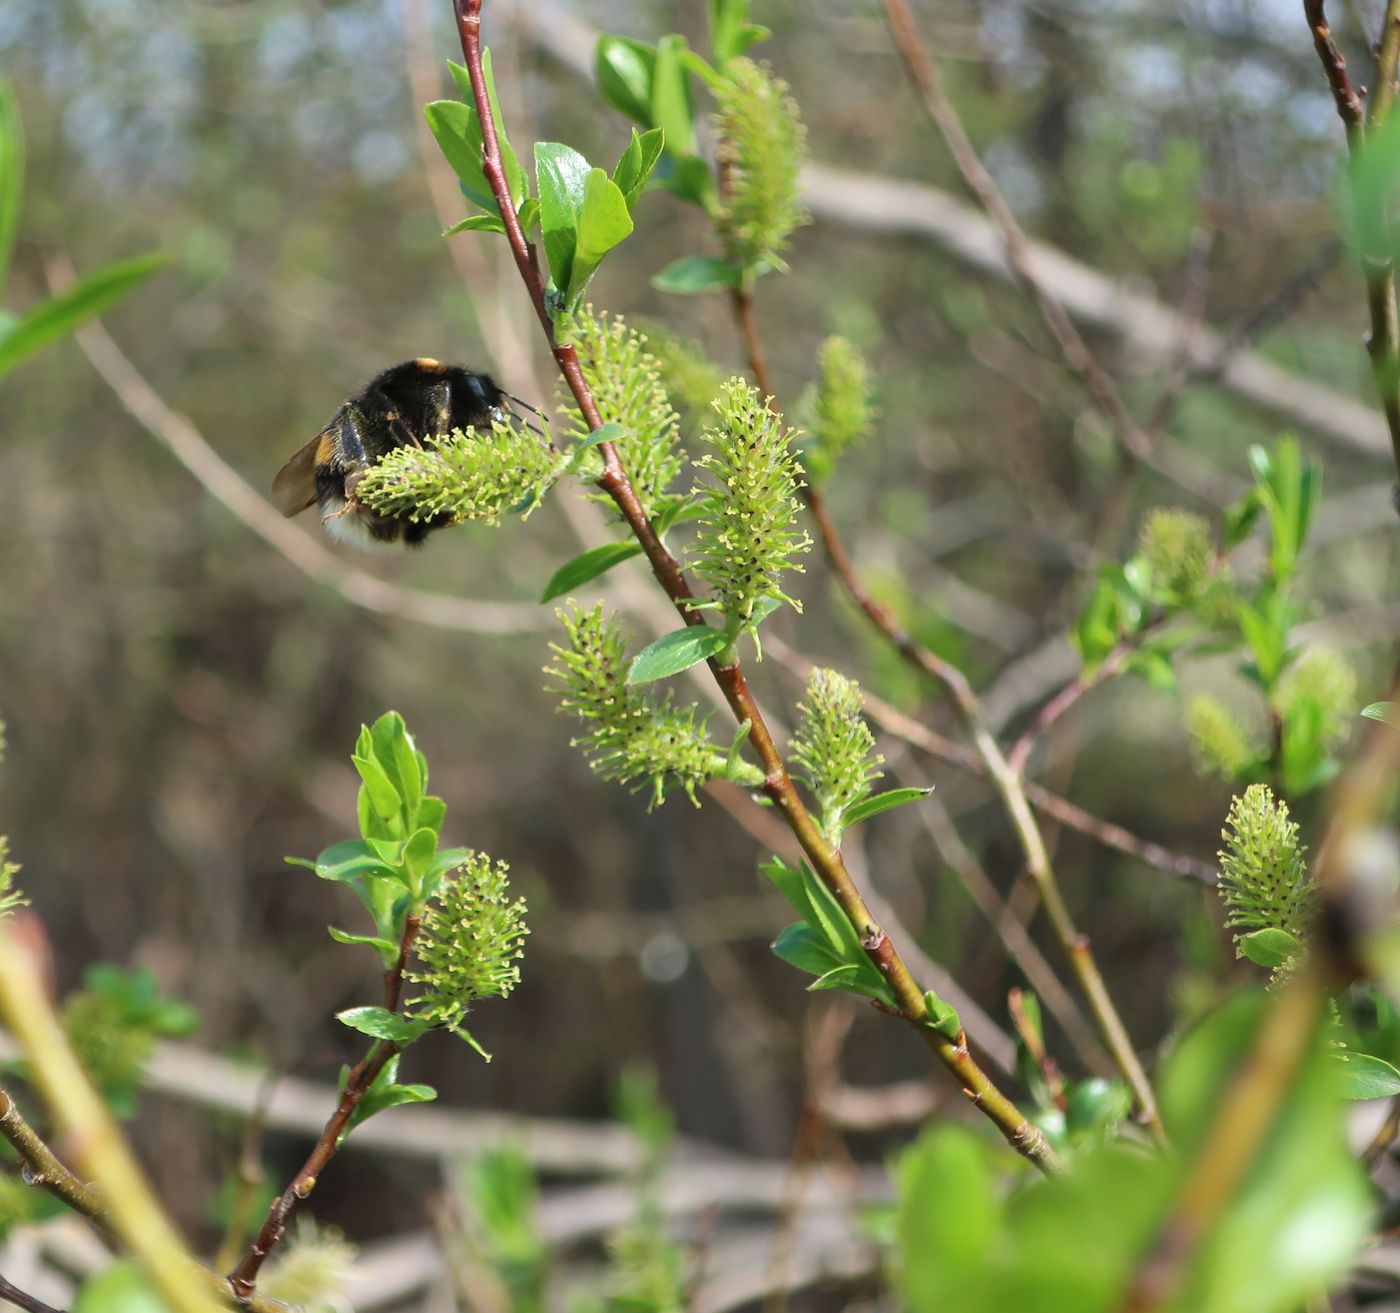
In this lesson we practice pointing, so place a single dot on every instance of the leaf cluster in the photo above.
(578, 212)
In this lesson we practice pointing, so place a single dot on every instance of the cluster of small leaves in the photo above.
(311, 1268)
(47, 322)
(749, 539)
(1264, 878)
(630, 736)
(625, 380)
(834, 749)
(469, 945)
(579, 211)
(465, 475)
(113, 1023)
(839, 413)
(963, 1241)
(397, 871)
(762, 145)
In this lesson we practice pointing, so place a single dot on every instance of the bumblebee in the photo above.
(404, 406)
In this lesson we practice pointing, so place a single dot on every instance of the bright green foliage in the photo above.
(469, 945)
(646, 1272)
(688, 376)
(629, 736)
(834, 749)
(625, 380)
(1263, 874)
(841, 413)
(19, 1203)
(1219, 742)
(1178, 547)
(1320, 687)
(499, 1194)
(750, 538)
(114, 1022)
(310, 1269)
(1295, 1222)
(470, 475)
(762, 146)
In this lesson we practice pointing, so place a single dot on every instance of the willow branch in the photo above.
(778, 786)
(14, 1295)
(362, 1076)
(42, 1166)
(1377, 266)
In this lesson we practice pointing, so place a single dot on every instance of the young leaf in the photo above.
(380, 1023)
(1270, 947)
(588, 566)
(62, 313)
(625, 69)
(383, 797)
(476, 223)
(560, 175)
(693, 275)
(345, 861)
(942, 1017)
(637, 162)
(731, 33)
(388, 950)
(672, 109)
(603, 222)
(881, 802)
(1386, 712)
(677, 651)
(457, 131)
(1362, 1076)
(510, 164)
(806, 949)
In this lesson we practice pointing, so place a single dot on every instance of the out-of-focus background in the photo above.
(181, 699)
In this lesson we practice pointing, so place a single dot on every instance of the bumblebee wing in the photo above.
(295, 484)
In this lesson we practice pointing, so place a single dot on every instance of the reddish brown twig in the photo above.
(14, 1295)
(243, 1279)
(778, 786)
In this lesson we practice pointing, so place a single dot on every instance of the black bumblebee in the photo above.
(403, 406)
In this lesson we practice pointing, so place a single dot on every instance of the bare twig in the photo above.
(14, 1295)
(42, 1166)
(778, 786)
(362, 1076)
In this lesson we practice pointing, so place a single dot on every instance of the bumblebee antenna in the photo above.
(520, 401)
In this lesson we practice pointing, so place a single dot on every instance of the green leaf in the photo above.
(431, 812)
(604, 221)
(731, 33)
(1270, 947)
(678, 510)
(385, 1092)
(61, 314)
(383, 797)
(346, 861)
(380, 1023)
(637, 162)
(675, 652)
(560, 176)
(588, 566)
(11, 174)
(1241, 517)
(393, 749)
(693, 275)
(418, 855)
(610, 432)
(1363, 1076)
(457, 131)
(1386, 712)
(941, 1017)
(510, 165)
(388, 950)
(120, 1288)
(625, 69)
(806, 949)
(672, 109)
(476, 223)
(881, 802)
(1096, 1104)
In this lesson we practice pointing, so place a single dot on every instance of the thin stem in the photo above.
(1377, 268)
(42, 1167)
(826, 861)
(362, 1076)
(14, 1295)
(923, 73)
